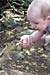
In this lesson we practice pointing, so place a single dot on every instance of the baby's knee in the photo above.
(47, 39)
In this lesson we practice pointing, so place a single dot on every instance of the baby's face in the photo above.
(36, 21)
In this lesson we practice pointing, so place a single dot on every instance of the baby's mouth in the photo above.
(35, 28)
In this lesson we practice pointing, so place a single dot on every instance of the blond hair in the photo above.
(43, 5)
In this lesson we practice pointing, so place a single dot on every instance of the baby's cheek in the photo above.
(41, 27)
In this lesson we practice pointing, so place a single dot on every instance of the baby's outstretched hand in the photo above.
(25, 41)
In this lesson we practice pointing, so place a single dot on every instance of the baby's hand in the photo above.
(25, 41)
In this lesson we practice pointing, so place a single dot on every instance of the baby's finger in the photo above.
(21, 43)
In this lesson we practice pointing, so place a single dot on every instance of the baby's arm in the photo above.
(35, 36)
(27, 40)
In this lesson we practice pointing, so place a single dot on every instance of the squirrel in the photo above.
(5, 54)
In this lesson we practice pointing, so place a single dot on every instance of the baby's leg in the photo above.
(46, 42)
(47, 39)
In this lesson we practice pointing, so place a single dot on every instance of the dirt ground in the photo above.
(13, 59)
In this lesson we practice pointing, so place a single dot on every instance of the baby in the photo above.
(38, 14)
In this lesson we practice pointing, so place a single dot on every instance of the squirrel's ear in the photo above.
(48, 18)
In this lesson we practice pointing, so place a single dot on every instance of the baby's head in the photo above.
(39, 14)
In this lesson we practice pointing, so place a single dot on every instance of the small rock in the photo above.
(44, 55)
(16, 72)
(3, 73)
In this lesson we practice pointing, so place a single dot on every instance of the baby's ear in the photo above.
(48, 18)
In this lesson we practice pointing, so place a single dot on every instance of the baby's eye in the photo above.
(36, 23)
